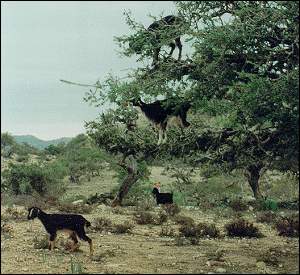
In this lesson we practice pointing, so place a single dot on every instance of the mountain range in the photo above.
(39, 143)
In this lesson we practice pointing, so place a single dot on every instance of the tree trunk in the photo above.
(130, 179)
(253, 175)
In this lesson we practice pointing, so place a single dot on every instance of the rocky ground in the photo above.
(144, 250)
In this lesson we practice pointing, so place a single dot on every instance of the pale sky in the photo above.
(42, 42)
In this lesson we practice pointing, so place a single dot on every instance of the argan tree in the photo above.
(243, 70)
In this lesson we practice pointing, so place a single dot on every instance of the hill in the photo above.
(39, 143)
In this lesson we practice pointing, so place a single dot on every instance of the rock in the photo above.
(221, 270)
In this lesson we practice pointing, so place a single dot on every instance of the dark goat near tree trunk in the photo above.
(162, 198)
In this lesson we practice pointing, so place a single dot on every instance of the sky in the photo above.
(43, 42)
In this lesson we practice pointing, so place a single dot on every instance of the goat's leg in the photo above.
(179, 46)
(84, 237)
(75, 240)
(155, 56)
(164, 136)
(52, 241)
(172, 45)
(160, 135)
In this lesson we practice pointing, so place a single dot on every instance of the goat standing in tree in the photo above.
(154, 36)
(163, 115)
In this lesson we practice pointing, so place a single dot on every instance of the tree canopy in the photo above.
(243, 70)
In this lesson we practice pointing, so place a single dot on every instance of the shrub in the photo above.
(189, 230)
(16, 213)
(26, 178)
(288, 226)
(266, 217)
(162, 218)
(265, 204)
(200, 230)
(75, 208)
(167, 231)
(208, 230)
(41, 242)
(122, 228)
(194, 240)
(102, 224)
(6, 228)
(270, 257)
(183, 220)
(238, 205)
(142, 217)
(171, 209)
(242, 228)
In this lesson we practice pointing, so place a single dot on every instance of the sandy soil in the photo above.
(145, 251)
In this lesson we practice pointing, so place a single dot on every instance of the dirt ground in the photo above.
(145, 251)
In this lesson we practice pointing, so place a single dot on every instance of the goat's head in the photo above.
(33, 212)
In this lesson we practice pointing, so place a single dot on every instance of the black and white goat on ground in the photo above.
(154, 33)
(69, 223)
(163, 114)
(162, 198)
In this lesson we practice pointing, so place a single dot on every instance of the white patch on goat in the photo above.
(30, 213)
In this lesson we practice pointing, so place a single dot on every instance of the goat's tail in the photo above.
(87, 223)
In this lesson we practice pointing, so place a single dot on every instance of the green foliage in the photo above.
(243, 70)
(76, 267)
(29, 178)
(55, 149)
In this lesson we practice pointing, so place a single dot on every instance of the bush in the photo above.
(41, 243)
(122, 228)
(265, 204)
(266, 217)
(242, 228)
(183, 220)
(208, 230)
(162, 218)
(167, 231)
(16, 213)
(27, 178)
(191, 230)
(102, 224)
(238, 205)
(171, 209)
(288, 226)
(143, 217)
(75, 208)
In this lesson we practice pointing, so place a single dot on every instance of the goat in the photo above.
(153, 35)
(162, 198)
(70, 223)
(161, 114)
